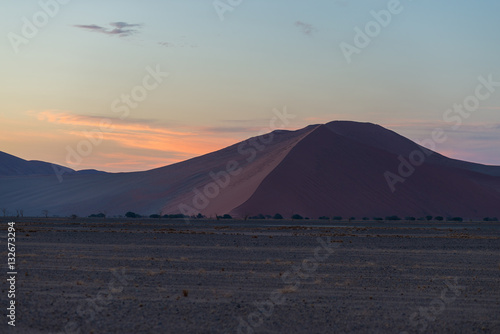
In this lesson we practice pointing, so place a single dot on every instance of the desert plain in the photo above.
(256, 276)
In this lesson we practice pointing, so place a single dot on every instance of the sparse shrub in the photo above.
(392, 218)
(324, 218)
(366, 218)
(154, 216)
(490, 219)
(454, 219)
(73, 216)
(277, 216)
(97, 215)
(337, 218)
(438, 218)
(410, 218)
(259, 216)
(226, 216)
(199, 216)
(296, 216)
(428, 217)
(378, 218)
(131, 215)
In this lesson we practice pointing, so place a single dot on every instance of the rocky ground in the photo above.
(164, 276)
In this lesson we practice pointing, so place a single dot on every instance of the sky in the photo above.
(130, 85)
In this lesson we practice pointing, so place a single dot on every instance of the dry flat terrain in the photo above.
(164, 276)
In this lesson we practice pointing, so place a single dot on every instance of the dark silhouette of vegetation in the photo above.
(157, 216)
(392, 218)
(226, 216)
(366, 218)
(4, 211)
(337, 218)
(45, 213)
(324, 218)
(200, 216)
(410, 218)
(454, 219)
(378, 218)
(73, 216)
(98, 215)
(296, 216)
(438, 218)
(132, 215)
(428, 217)
(490, 219)
(277, 216)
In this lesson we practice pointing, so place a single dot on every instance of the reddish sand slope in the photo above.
(329, 174)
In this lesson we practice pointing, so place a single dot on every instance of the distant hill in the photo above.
(11, 166)
(340, 168)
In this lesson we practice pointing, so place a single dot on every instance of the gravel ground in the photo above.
(164, 276)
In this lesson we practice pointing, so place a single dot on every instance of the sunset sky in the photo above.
(67, 68)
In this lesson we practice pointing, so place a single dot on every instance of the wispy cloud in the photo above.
(142, 134)
(117, 124)
(306, 28)
(120, 29)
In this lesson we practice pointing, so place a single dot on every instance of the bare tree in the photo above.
(21, 212)
(4, 211)
(45, 213)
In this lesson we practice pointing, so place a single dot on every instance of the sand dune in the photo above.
(332, 169)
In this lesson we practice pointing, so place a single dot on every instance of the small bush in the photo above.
(439, 218)
(132, 215)
(410, 218)
(277, 216)
(392, 218)
(337, 218)
(226, 216)
(154, 216)
(259, 216)
(378, 218)
(366, 218)
(97, 215)
(296, 216)
(428, 217)
(324, 218)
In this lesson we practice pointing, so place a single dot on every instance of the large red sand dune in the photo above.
(338, 168)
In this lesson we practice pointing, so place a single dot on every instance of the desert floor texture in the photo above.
(275, 276)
